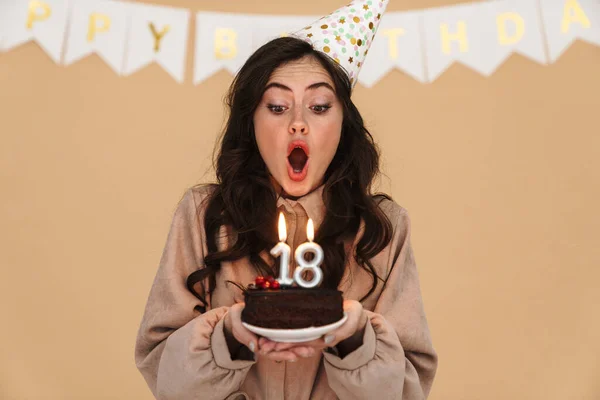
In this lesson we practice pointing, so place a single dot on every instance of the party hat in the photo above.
(346, 34)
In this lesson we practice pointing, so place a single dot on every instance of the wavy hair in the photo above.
(244, 188)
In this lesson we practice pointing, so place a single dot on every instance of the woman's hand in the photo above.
(348, 337)
(235, 330)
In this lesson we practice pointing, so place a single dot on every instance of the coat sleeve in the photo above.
(181, 353)
(396, 359)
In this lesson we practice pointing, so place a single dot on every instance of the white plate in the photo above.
(295, 335)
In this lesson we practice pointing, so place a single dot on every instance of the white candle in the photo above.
(283, 250)
(312, 265)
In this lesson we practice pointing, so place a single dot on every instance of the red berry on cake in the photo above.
(275, 285)
(259, 280)
(270, 279)
(265, 285)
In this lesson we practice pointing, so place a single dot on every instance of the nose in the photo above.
(298, 125)
(298, 128)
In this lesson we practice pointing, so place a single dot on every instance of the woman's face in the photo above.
(298, 125)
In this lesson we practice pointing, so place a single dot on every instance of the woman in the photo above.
(295, 143)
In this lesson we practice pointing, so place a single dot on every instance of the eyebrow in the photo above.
(311, 87)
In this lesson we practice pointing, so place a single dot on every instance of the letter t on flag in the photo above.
(396, 45)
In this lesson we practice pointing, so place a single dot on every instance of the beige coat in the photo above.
(183, 354)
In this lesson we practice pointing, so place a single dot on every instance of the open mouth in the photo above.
(297, 160)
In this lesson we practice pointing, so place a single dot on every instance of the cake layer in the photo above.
(292, 308)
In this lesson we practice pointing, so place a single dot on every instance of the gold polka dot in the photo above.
(353, 40)
(324, 26)
(356, 19)
(326, 49)
(359, 42)
(370, 25)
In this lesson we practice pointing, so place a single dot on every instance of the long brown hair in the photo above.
(245, 200)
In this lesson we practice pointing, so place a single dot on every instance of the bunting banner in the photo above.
(422, 44)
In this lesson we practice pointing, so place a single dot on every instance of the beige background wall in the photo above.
(500, 176)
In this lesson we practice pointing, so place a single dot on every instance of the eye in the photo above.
(321, 108)
(276, 109)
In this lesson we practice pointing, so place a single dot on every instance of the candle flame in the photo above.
(282, 230)
(310, 230)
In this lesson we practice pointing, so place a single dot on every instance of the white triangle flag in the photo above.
(44, 21)
(222, 41)
(98, 26)
(568, 20)
(397, 44)
(157, 34)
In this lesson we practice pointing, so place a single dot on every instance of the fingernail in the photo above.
(329, 338)
(308, 353)
(252, 347)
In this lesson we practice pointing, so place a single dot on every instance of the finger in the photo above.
(345, 331)
(266, 346)
(280, 346)
(303, 351)
(242, 334)
(262, 341)
(355, 312)
(298, 349)
(281, 356)
(352, 306)
(317, 344)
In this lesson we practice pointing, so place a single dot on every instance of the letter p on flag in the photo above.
(94, 26)
(38, 11)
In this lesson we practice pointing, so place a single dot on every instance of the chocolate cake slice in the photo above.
(292, 308)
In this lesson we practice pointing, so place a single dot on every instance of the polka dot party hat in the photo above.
(346, 34)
